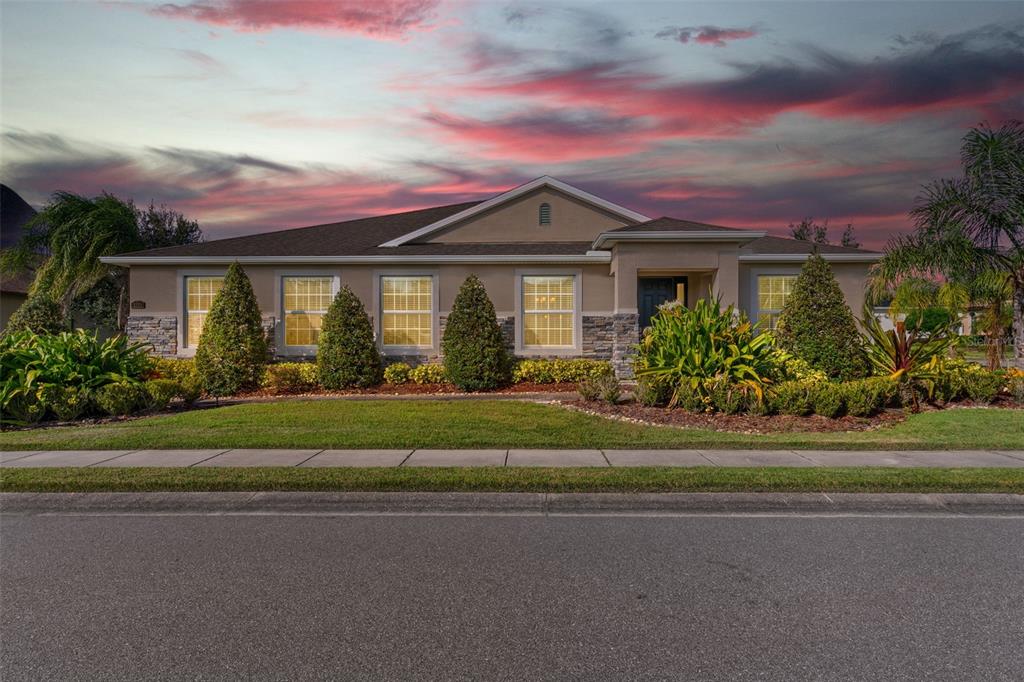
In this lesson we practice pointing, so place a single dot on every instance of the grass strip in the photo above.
(487, 479)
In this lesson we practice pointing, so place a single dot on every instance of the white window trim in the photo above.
(279, 330)
(755, 298)
(378, 309)
(182, 311)
(577, 325)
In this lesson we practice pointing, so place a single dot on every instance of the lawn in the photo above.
(493, 479)
(488, 423)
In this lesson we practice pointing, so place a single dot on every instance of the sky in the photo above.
(268, 114)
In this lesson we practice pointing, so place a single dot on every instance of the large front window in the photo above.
(549, 311)
(306, 300)
(199, 294)
(407, 311)
(772, 293)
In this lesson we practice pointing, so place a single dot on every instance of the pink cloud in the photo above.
(377, 18)
(706, 35)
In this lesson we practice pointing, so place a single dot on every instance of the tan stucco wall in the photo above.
(698, 261)
(851, 277)
(159, 286)
(517, 221)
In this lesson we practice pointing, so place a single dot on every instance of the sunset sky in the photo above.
(252, 116)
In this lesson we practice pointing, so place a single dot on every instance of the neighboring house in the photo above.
(14, 214)
(570, 274)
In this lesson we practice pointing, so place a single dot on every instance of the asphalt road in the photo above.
(511, 597)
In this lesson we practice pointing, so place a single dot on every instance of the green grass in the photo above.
(493, 479)
(487, 423)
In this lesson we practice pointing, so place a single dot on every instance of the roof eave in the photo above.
(515, 193)
(801, 257)
(742, 236)
(588, 257)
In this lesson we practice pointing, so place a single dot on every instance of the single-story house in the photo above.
(570, 274)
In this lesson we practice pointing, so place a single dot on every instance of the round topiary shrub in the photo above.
(120, 398)
(397, 373)
(232, 348)
(817, 325)
(475, 355)
(348, 355)
(38, 314)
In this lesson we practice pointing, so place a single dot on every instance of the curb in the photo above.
(510, 503)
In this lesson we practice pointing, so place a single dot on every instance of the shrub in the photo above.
(475, 355)
(1015, 384)
(828, 399)
(929, 320)
(121, 398)
(31, 362)
(652, 393)
(866, 397)
(793, 398)
(290, 377)
(67, 403)
(698, 348)
(604, 387)
(232, 347)
(184, 373)
(982, 386)
(559, 370)
(348, 354)
(38, 314)
(160, 392)
(428, 374)
(397, 373)
(190, 388)
(817, 325)
(729, 398)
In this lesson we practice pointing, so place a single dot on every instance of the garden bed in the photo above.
(414, 389)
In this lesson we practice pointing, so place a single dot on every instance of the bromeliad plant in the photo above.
(693, 352)
(912, 357)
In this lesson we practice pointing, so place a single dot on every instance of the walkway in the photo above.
(513, 458)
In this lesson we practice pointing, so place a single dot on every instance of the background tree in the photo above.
(972, 225)
(476, 357)
(232, 349)
(817, 325)
(66, 239)
(347, 354)
(809, 231)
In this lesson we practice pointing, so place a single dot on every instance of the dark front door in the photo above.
(653, 291)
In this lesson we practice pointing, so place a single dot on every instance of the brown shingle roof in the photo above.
(666, 224)
(784, 245)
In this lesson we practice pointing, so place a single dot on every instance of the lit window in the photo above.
(772, 293)
(545, 214)
(306, 300)
(407, 311)
(549, 311)
(199, 294)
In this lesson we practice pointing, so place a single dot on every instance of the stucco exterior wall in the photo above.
(851, 277)
(517, 221)
(698, 261)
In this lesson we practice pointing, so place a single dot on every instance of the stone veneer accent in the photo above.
(161, 332)
(612, 337)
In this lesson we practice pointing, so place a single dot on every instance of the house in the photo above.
(15, 213)
(570, 274)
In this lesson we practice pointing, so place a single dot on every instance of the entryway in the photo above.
(653, 291)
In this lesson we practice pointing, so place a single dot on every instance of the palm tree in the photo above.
(72, 233)
(972, 225)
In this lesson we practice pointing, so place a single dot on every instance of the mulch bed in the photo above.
(737, 423)
(415, 389)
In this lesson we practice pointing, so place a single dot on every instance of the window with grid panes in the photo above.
(407, 311)
(306, 300)
(772, 292)
(549, 311)
(199, 293)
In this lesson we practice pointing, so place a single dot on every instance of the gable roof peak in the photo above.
(515, 193)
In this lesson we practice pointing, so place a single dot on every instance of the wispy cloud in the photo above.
(705, 35)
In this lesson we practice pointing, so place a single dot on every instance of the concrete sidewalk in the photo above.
(513, 458)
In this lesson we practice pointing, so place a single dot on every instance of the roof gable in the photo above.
(512, 195)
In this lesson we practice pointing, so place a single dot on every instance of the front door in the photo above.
(653, 291)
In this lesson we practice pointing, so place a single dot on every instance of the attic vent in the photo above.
(545, 214)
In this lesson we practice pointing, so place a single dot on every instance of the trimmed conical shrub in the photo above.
(475, 355)
(817, 326)
(347, 355)
(232, 349)
(38, 314)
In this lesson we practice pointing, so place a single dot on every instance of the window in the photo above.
(306, 300)
(772, 292)
(407, 311)
(545, 214)
(199, 293)
(549, 311)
